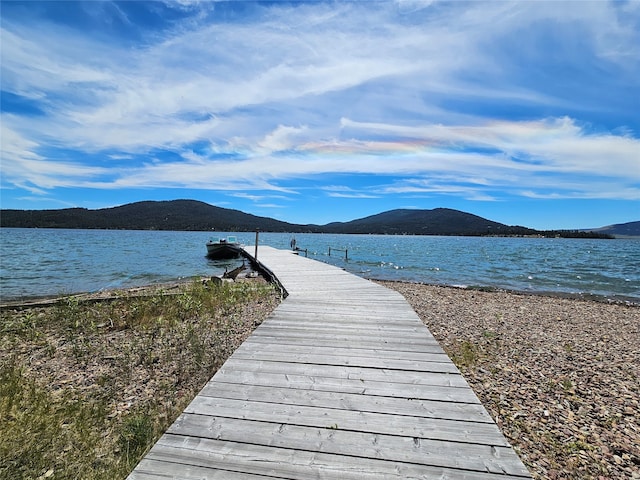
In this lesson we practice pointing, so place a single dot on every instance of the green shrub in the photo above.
(136, 435)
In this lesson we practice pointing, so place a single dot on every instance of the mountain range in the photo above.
(199, 216)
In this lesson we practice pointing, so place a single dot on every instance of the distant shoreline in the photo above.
(551, 234)
(192, 215)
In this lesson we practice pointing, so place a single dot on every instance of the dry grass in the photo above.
(86, 387)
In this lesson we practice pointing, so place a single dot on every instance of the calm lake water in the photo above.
(44, 262)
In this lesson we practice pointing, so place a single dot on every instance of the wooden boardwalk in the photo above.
(342, 381)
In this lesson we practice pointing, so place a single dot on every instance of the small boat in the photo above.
(224, 248)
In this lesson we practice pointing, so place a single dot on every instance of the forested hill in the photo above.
(168, 215)
(439, 221)
(199, 216)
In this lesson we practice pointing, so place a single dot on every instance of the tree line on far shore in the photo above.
(192, 215)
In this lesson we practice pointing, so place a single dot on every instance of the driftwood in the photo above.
(234, 273)
(227, 276)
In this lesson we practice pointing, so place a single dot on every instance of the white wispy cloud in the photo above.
(352, 195)
(552, 144)
(284, 138)
(310, 89)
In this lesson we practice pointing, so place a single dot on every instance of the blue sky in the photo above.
(310, 112)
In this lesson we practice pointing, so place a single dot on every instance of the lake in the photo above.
(45, 262)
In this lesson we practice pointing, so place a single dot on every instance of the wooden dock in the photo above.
(342, 381)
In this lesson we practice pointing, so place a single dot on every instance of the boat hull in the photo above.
(223, 250)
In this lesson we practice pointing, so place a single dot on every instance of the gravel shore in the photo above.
(561, 377)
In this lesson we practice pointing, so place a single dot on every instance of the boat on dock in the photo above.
(228, 247)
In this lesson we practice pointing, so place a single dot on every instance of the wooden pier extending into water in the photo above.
(342, 381)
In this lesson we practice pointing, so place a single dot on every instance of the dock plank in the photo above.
(362, 387)
(342, 381)
(348, 401)
(342, 354)
(354, 443)
(467, 432)
(436, 364)
(345, 342)
(362, 374)
(287, 463)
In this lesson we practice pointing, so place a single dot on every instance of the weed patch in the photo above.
(466, 354)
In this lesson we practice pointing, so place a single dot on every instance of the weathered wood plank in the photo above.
(289, 463)
(344, 301)
(353, 338)
(348, 401)
(380, 320)
(467, 432)
(339, 440)
(353, 321)
(354, 342)
(343, 353)
(439, 365)
(345, 329)
(410, 377)
(149, 469)
(362, 387)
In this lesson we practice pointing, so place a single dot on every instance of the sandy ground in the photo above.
(561, 377)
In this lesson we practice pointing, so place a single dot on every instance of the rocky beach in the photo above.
(560, 376)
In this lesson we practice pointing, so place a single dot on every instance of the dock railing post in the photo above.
(346, 252)
(255, 255)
